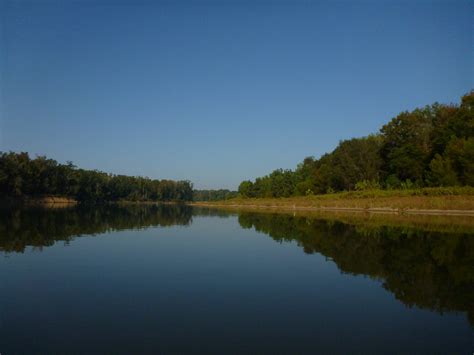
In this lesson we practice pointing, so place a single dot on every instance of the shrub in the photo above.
(367, 185)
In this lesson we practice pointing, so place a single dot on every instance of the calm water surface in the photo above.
(171, 279)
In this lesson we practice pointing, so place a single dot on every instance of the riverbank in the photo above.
(436, 201)
(63, 201)
(44, 201)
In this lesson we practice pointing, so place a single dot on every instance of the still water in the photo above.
(177, 279)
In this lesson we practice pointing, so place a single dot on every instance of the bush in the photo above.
(367, 185)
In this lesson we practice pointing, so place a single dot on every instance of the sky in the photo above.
(217, 92)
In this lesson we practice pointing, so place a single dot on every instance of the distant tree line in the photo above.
(432, 146)
(22, 176)
(214, 195)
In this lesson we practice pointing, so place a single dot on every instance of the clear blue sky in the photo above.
(217, 92)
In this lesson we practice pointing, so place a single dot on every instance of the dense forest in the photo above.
(22, 176)
(431, 146)
(214, 195)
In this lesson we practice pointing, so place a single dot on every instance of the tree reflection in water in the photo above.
(40, 227)
(426, 264)
(428, 267)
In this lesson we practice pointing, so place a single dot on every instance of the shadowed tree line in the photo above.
(431, 146)
(21, 176)
(214, 195)
(421, 268)
(41, 227)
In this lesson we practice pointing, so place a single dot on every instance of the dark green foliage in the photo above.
(22, 176)
(407, 145)
(214, 195)
(354, 160)
(442, 172)
(246, 188)
(280, 183)
(433, 146)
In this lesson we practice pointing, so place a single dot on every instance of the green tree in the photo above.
(406, 148)
(246, 189)
(442, 172)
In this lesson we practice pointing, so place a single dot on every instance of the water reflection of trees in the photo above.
(428, 269)
(430, 265)
(40, 227)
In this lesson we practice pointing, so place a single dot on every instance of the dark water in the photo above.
(171, 279)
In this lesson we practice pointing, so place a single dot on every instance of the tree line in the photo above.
(22, 176)
(214, 195)
(430, 146)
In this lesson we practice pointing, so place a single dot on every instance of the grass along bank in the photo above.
(443, 200)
